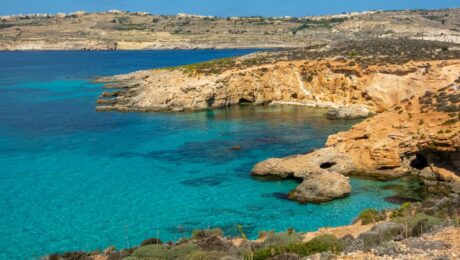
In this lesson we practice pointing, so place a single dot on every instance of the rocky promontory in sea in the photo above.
(409, 88)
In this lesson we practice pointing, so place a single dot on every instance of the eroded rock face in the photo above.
(417, 137)
(332, 83)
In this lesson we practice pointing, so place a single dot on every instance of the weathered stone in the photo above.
(348, 113)
(427, 174)
(317, 188)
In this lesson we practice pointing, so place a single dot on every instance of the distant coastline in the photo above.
(119, 30)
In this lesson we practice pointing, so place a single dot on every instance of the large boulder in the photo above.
(302, 166)
(348, 113)
(322, 187)
(320, 172)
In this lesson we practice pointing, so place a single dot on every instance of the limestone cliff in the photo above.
(418, 135)
(325, 83)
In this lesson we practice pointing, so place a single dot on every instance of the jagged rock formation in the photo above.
(333, 81)
(419, 136)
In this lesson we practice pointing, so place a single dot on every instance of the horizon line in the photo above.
(216, 16)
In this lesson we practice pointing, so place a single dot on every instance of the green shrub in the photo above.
(266, 253)
(282, 238)
(131, 258)
(151, 241)
(319, 244)
(418, 223)
(402, 211)
(316, 245)
(151, 251)
(182, 251)
(203, 233)
(206, 255)
(161, 252)
(368, 216)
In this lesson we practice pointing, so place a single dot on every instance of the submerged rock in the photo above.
(235, 148)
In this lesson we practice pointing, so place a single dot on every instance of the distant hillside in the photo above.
(128, 30)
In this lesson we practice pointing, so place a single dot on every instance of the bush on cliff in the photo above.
(403, 210)
(418, 220)
(368, 216)
(151, 251)
(181, 251)
(318, 244)
(204, 233)
(151, 241)
(206, 255)
(417, 224)
(282, 238)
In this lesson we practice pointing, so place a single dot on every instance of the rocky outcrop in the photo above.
(356, 90)
(317, 188)
(348, 113)
(322, 176)
(419, 136)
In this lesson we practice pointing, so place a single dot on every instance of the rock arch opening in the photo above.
(245, 101)
(327, 165)
(419, 162)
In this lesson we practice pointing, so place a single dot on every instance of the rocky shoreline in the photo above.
(415, 99)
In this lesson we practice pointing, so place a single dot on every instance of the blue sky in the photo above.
(220, 7)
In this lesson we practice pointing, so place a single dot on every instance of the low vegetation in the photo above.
(203, 233)
(320, 23)
(316, 245)
(369, 216)
(209, 67)
(283, 238)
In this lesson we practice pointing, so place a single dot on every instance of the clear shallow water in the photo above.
(74, 179)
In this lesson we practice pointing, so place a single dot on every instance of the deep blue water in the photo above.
(75, 179)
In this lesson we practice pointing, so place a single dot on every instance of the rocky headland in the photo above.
(408, 87)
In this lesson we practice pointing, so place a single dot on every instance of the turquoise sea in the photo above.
(75, 179)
